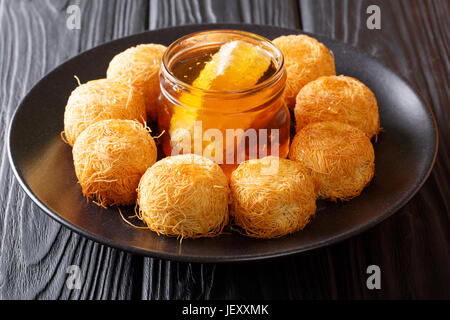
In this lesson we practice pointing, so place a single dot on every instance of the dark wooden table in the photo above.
(411, 247)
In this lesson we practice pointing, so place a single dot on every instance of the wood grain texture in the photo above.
(34, 250)
(411, 247)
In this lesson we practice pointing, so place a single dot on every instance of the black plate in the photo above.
(405, 154)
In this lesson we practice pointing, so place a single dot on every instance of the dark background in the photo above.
(411, 247)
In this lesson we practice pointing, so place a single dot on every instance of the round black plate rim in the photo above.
(217, 259)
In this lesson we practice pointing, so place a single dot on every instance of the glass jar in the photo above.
(225, 126)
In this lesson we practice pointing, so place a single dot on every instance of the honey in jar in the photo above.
(222, 97)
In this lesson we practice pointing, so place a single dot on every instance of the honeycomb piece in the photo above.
(237, 65)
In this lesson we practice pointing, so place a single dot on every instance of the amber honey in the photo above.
(226, 126)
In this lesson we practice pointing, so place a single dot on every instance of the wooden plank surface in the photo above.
(34, 250)
(409, 247)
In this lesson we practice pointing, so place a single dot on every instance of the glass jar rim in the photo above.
(274, 78)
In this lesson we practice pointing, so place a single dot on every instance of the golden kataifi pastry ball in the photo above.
(98, 100)
(185, 196)
(110, 157)
(338, 98)
(139, 67)
(306, 59)
(340, 158)
(271, 197)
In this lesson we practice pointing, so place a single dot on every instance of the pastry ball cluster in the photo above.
(105, 122)
(335, 118)
(189, 196)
